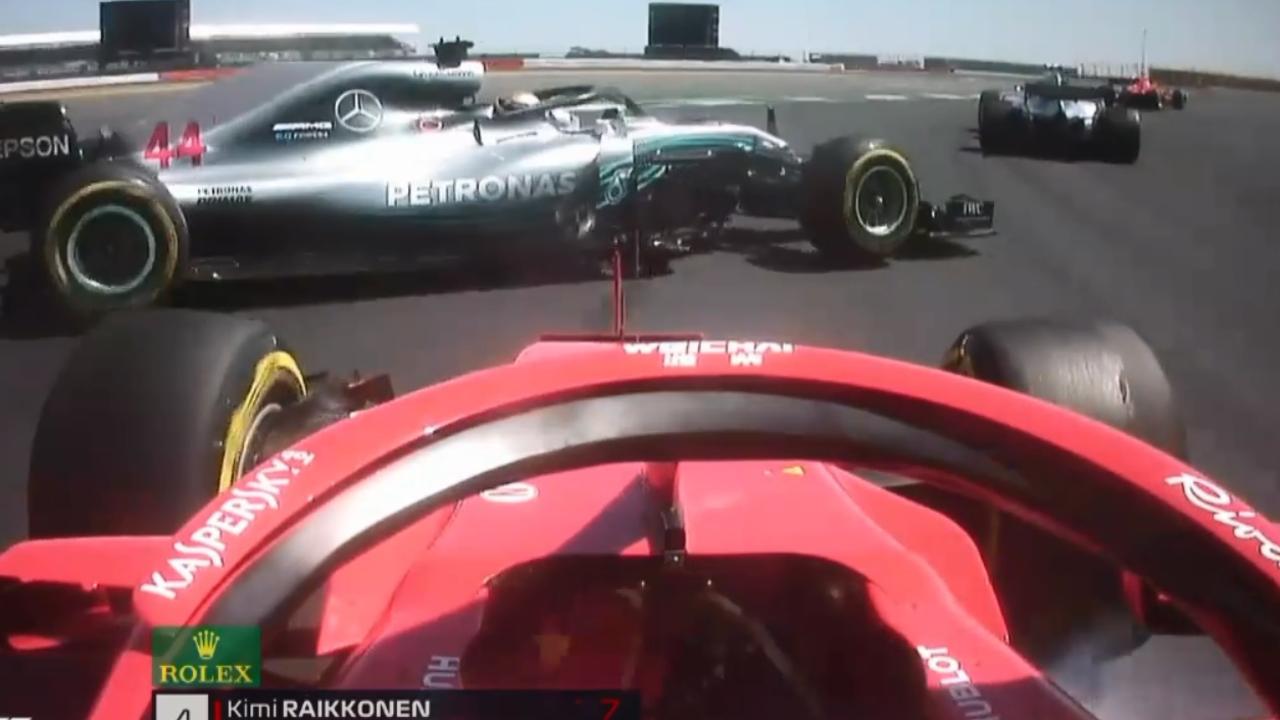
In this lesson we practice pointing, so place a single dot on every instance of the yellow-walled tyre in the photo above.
(861, 199)
(111, 238)
(152, 416)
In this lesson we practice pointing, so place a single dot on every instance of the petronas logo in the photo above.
(206, 642)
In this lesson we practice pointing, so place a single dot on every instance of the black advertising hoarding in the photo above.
(143, 28)
(684, 25)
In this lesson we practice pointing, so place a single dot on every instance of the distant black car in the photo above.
(1053, 115)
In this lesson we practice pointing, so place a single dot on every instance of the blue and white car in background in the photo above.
(1053, 115)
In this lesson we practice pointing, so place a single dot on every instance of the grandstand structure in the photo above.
(41, 55)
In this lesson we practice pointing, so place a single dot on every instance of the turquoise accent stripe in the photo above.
(613, 172)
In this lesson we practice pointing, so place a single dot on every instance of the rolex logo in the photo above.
(206, 656)
(206, 642)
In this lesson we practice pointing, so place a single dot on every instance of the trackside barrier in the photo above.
(499, 64)
(78, 82)
(510, 64)
(820, 63)
(639, 64)
(198, 75)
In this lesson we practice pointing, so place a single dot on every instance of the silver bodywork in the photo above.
(400, 150)
(1049, 108)
(1040, 108)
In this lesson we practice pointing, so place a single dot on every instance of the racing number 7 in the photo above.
(191, 145)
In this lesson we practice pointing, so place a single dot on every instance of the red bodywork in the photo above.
(1142, 86)
(1147, 94)
(418, 607)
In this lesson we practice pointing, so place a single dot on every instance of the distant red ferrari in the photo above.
(1143, 93)
(735, 528)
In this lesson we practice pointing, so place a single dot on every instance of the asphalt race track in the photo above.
(1181, 246)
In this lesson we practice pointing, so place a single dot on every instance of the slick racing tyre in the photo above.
(111, 238)
(1059, 596)
(861, 199)
(154, 414)
(1103, 370)
(1178, 99)
(994, 123)
(1119, 135)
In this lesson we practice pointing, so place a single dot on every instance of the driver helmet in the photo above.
(518, 101)
(553, 636)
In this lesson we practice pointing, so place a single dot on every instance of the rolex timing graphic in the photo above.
(206, 656)
(206, 642)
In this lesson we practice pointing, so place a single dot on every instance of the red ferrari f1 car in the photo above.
(1143, 93)
(732, 528)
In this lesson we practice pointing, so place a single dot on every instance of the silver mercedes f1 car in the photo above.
(1055, 116)
(388, 165)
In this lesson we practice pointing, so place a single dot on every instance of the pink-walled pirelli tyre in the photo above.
(154, 414)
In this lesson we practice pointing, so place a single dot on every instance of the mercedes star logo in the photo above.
(359, 111)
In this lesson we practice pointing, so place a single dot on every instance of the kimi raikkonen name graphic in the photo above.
(260, 704)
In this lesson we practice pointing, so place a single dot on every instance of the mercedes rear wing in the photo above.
(1050, 91)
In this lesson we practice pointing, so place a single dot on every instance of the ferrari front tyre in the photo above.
(153, 415)
(1100, 369)
(111, 238)
(1119, 135)
(861, 199)
(1059, 597)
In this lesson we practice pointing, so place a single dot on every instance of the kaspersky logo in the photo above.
(206, 656)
